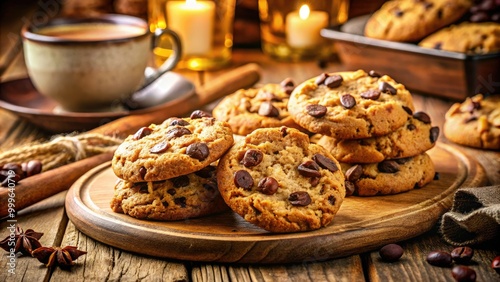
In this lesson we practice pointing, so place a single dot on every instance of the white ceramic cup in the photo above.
(92, 64)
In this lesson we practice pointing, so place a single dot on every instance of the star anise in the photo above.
(56, 256)
(24, 242)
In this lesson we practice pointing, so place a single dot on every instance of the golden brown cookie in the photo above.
(350, 105)
(280, 182)
(249, 109)
(390, 176)
(176, 147)
(414, 138)
(410, 20)
(475, 122)
(477, 38)
(183, 197)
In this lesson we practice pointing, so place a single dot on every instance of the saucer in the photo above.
(20, 97)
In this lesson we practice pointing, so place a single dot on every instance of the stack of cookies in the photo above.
(367, 122)
(167, 171)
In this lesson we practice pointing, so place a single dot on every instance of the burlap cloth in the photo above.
(474, 217)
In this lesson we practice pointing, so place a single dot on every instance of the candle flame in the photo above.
(303, 12)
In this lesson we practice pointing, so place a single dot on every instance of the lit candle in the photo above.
(193, 21)
(303, 27)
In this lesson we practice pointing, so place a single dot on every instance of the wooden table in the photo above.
(103, 263)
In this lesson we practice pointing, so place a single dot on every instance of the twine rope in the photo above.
(62, 150)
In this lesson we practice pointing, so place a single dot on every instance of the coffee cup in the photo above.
(92, 64)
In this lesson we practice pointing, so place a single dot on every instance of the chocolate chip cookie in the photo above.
(182, 197)
(414, 138)
(176, 147)
(279, 181)
(476, 38)
(411, 20)
(389, 176)
(249, 109)
(351, 105)
(475, 122)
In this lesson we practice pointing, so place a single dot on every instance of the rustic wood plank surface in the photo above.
(105, 263)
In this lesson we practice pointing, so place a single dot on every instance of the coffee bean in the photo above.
(373, 73)
(462, 255)
(142, 172)
(388, 166)
(198, 151)
(439, 258)
(321, 78)
(268, 110)
(287, 85)
(372, 94)
(160, 148)
(349, 188)
(325, 162)
(252, 157)
(333, 81)
(206, 172)
(316, 110)
(243, 179)
(309, 169)
(300, 198)
(15, 167)
(347, 101)
(11, 179)
(179, 121)
(354, 173)
(495, 264)
(463, 273)
(177, 132)
(144, 131)
(408, 110)
(33, 167)
(180, 181)
(268, 185)
(423, 117)
(391, 252)
(199, 114)
(434, 134)
(387, 88)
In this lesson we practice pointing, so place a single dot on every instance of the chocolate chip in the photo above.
(160, 147)
(198, 151)
(321, 78)
(354, 173)
(283, 131)
(142, 172)
(462, 255)
(177, 132)
(165, 204)
(287, 85)
(373, 73)
(243, 179)
(325, 162)
(179, 122)
(423, 117)
(144, 131)
(439, 258)
(402, 160)
(332, 200)
(180, 201)
(206, 172)
(391, 252)
(434, 134)
(33, 167)
(411, 127)
(300, 198)
(309, 169)
(171, 191)
(428, 5)
(463, 273)
(180, 181)
(348, 101)
(199, 114)
(141, 187)
(314, 181)
(388, 166)
(436, 176)
(399, 13)
(387, 88)
(372, 94)
(210, 186)
(268, 110)
(349, 188)
(333, 81)
(408, 110)
(316, 110)
(252, 157)
(268, 185)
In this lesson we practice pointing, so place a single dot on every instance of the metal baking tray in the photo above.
(423, 70)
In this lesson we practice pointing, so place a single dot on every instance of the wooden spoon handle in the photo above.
(226, 83)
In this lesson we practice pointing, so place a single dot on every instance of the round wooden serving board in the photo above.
(362, 223)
